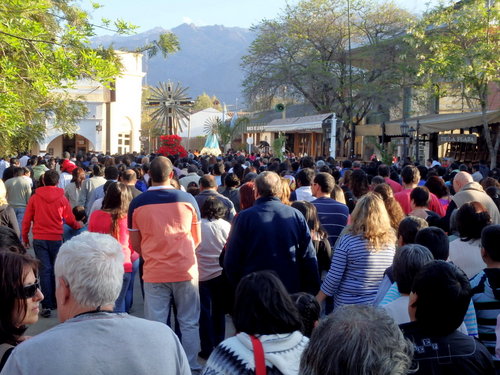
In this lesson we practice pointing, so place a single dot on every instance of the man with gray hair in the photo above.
(272, 236)
(92, 338)
(357, 339)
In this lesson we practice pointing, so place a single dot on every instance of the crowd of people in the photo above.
(323, 267)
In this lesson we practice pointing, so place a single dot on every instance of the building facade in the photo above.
(113, 122)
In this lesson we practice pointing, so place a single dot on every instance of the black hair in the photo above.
(436, 240)
(423, 172)
(12, 272)
(325, 181)
(437, 186)
(420, 196)
(262, 306)
(410, 174)
(383, 170)
(490, 238)
(443, 296)
(305, 176)
(50, 178)
(111, 173)
(471, 218)
(409, 227)
(347, 164)
(10, 240)
(309, 311)
(231, 180)
(408, 261)
(213, 209)
(218, 169)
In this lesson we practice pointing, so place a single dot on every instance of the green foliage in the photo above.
(305, 53)
(204, 101)
(44, 49)
(461, 43)
(277, 147)
(166, 44)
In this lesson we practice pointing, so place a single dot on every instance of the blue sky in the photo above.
(170, 13)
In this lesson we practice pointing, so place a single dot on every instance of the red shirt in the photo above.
(403, 197)
(396, 188)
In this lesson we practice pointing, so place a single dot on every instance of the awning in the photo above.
(298, 124)
(431, 123)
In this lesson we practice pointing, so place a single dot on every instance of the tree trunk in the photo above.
(487, 136)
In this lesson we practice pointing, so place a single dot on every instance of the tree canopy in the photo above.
(305, 53)
(460, 43)
(204, 101)
(44, 49)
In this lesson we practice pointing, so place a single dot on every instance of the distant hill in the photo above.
(209, 59)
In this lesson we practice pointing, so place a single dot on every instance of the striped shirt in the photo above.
(486, 297)
(332, 216)
(356, 270)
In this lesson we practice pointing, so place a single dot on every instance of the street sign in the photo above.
(463, 138)
(250, 141)
(143, 138)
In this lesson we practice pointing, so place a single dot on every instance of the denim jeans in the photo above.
(19, 216)
(120, 301)
(157, 299)
(212, 316)
(129, 295)
(46, 252)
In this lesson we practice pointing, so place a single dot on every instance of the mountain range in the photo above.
(208, 61)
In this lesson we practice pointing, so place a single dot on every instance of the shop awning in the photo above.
(431, 123)
(298, 124)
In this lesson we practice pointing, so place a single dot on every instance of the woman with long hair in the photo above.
(358, 183)
(20, 295)
(318, 234)
(396, 213)
(112, 219)
(285, 192)
(361, 256)
(72, 190)
(268, 325)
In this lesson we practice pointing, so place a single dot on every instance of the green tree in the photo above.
(460, 43)
(204, 101)
(305, 53)
(44, 49)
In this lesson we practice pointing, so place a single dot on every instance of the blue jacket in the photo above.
(272, 236)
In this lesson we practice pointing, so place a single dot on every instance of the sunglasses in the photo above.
(29, 291)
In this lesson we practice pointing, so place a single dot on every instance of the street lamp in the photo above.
(404, 133)
(416, 141)
(411, 134)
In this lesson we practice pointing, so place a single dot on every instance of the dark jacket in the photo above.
(200, 199)
(272, 236)
(452, 354)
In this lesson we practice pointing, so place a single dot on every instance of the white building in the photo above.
(195, 126)
(113, 120)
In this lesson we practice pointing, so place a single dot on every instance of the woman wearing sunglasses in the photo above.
(20, 295)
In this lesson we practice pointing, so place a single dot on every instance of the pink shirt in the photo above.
(100, 222)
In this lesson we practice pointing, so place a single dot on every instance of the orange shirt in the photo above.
(169, 223)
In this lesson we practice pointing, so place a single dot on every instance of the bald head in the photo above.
(460, 180)
(268, 184)
(160, 170)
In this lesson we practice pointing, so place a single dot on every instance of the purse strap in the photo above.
(258, 354)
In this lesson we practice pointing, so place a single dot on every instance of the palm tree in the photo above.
(171, 105)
